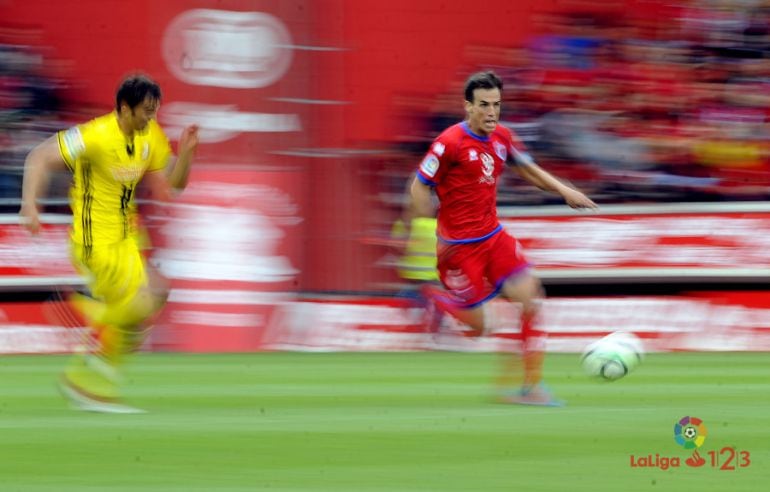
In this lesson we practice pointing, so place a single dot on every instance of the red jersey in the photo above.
(464, 168)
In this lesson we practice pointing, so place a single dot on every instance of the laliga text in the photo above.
(727, 458)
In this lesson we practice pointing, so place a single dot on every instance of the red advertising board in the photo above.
(40, 261)
(694, 242)
(39, 328)
(725, 242)
(239, 70)
(237, 321)
(706, 321)
(231, 246)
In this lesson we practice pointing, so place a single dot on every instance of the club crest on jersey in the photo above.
(429, 165)
(500, 151)
(487, 168)
(473, 155)
(487, 164)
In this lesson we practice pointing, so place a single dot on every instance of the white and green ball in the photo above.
(613, 357)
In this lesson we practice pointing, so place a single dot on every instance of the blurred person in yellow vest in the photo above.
(414, 240)
(417, 262)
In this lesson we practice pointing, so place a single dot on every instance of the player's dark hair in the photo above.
(135, 89)
(482, 80)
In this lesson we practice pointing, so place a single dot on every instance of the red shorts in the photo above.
(473, 273)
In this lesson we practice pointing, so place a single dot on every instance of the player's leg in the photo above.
(131, 298)
(526, 289)
(509, 269)
(122, 301)
(440, 302)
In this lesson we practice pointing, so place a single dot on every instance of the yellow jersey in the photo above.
(106, 167)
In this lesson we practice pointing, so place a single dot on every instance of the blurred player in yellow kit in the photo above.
(108, 157)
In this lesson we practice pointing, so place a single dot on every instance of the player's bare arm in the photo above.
(43, 160)
(544, 180)
(179, 169)
(158, 186)
(422, 206)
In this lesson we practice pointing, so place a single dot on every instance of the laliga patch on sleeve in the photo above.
(439, 148)
(429, 165)
(73, 142)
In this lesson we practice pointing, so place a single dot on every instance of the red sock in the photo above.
(533, 349)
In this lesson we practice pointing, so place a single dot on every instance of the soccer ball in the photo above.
(613, 356)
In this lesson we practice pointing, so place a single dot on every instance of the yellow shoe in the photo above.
(93, 376)
(80, 400)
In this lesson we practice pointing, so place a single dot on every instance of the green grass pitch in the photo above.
(383, 422)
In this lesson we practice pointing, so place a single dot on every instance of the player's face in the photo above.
(484, 111)
(144, 112)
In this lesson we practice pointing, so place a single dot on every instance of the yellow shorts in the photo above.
(115, 273)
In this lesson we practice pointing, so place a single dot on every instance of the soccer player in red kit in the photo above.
(477, 259)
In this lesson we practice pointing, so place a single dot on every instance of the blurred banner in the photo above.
(719, 321)
(35, 262)
(236, 295)
(35, 328)
(231, 247)
(244, 228)
(656, 243)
